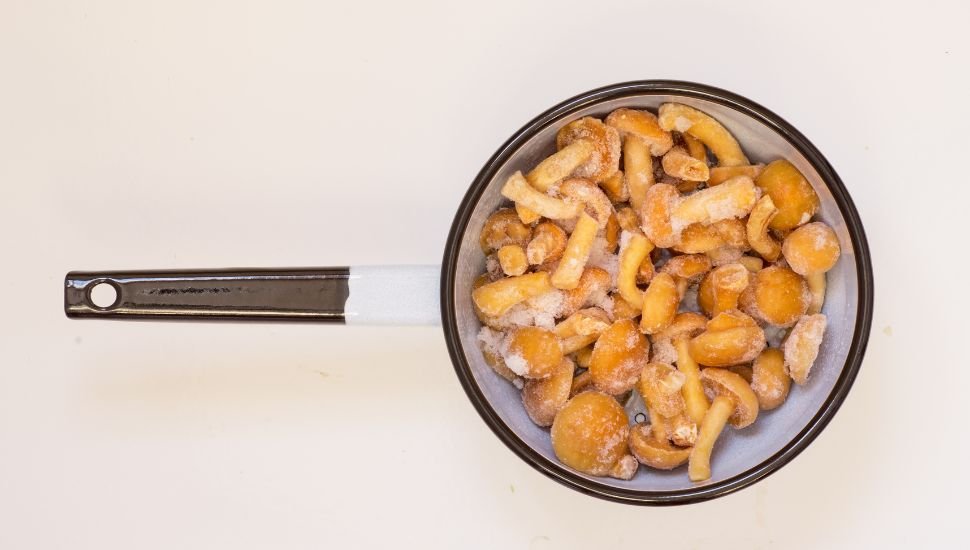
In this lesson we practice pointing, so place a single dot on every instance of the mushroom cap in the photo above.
(660, 386)
(590, 433)
(606, 141)
(812, 248)
(645, 126)
(776, 295)
(724, 382)
(532, 352)
(653, 452)
(687, 324)
(618, 357)
(688, 266)
(544, 397)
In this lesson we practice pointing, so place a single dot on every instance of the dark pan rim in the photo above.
(801, 440)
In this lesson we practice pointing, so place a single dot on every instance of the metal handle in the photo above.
(306, 294)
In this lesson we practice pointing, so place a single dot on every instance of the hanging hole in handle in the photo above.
(104, 295)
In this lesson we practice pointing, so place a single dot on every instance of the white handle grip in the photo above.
(394, 295)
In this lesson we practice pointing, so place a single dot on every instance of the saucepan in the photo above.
(433, 294)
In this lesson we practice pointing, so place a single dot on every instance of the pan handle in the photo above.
(390, 295)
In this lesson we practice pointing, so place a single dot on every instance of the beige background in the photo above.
(205, 134)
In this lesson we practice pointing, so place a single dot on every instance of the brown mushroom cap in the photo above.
(590, 433)
(724, 382)
(660, 386)
(619, 355)
(812, 248)
(606, 140)
(776, 295)
(544, 397)
(653, 452)
(645, 126)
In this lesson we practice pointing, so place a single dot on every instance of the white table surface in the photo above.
(218, 133)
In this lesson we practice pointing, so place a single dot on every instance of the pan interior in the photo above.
(737, 450)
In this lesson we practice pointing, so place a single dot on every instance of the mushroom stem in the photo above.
(816, 285)
(694, 398)
(658, 425)
(699, 467)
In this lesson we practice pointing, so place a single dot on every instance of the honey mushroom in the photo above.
(791, 193)
(605, 159)
(547, 244)
(687, 120)
(543, 398)
(512, 259)
(720, 290)
(578, 246)
(531, 352)
(655, 215)
(489, 343)
(776, 295)
(644, 126)
(730, 338)
(638, 169)
(653, 452)
(801, 346)
(732, 199)
(695, 402)
(581, 329)
(518, 190)
(769, 381)
(680, 164)
(598, 205)
(720, 174)
(494, 299)
(757, 229)
(660, 387)
(594, 283)
(503, 228)
(590, 434)
(660, 302)
(586, 148)
(811, 251)
(733, 401)
(670, 346)
(560, 165)
(618, 357)
(634, 250)
(643, 139)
